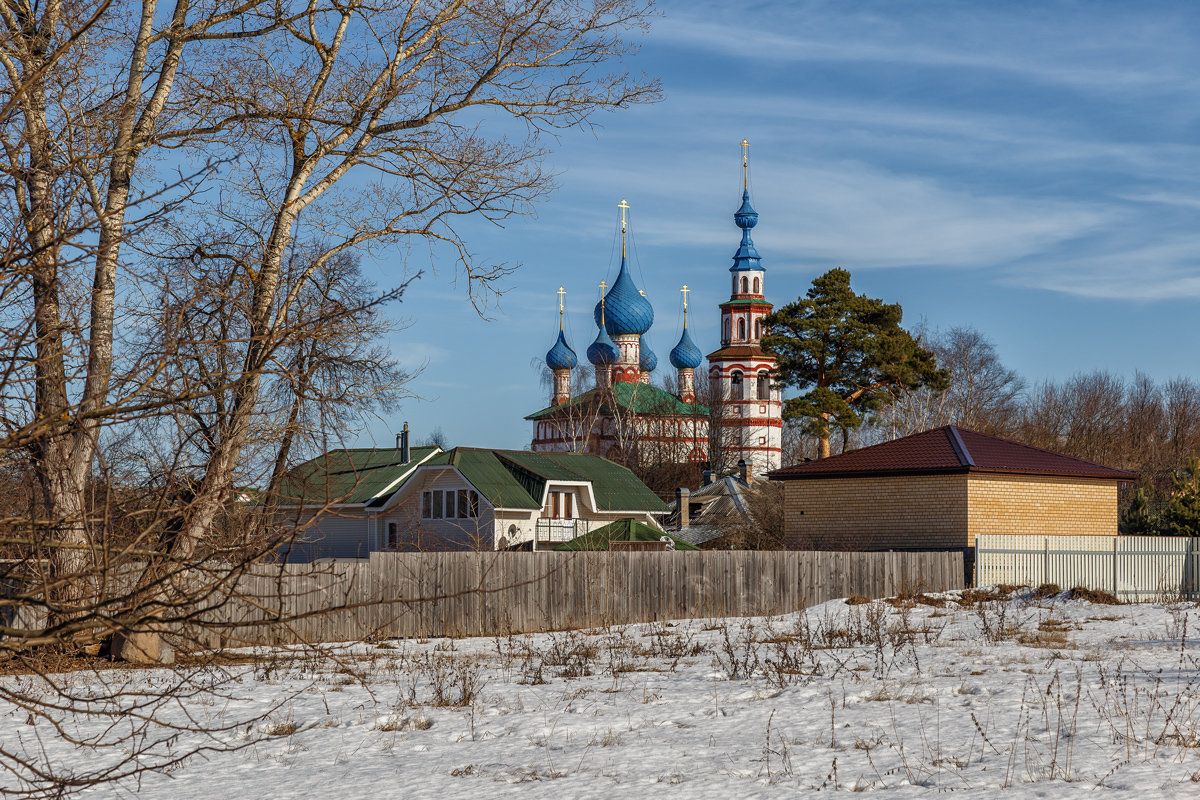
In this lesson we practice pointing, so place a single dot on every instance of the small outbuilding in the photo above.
(940, 489)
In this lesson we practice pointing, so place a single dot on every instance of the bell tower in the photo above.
(741, 372)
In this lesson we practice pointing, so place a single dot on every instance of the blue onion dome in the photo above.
(746, 218)
(561, 356)
(647, 361)
(686, 355)
(625, 310)
(602, 352)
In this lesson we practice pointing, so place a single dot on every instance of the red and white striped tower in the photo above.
(741, 370)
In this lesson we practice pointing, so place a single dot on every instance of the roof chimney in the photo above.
(683, 498)
(707, 477)
(744, 472)
(402, 444)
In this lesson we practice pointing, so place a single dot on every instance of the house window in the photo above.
(449, 504)
(764, 385)
(560, 505)
(735, 383)
(393, 535)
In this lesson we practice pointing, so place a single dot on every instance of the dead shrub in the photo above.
(1045, 591)
(856, 600)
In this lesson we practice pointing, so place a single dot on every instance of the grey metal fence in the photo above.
(1134, 568)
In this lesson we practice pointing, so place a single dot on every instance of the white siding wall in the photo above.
(437, 534)
(331, 535)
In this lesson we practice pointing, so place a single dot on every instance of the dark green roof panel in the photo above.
(346, 476)
(623, 530)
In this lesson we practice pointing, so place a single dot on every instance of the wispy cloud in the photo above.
(940, 37)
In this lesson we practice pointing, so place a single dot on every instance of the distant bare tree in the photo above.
(982, 394)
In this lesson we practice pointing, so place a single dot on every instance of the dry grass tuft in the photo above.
(1097, 596)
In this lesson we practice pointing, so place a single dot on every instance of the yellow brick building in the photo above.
(940, 489)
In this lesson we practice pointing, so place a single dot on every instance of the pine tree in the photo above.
(1140, 519)
(848, 353)
(1181, 516)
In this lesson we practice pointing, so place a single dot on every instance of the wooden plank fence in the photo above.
(1134, 568)
(477, 594)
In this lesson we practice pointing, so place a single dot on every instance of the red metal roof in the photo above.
(947, 450)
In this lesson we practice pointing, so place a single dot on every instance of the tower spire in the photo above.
(624, 206)
(746, 164)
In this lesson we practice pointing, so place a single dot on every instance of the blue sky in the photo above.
(1029, 169)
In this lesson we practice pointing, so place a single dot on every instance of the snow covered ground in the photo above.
(1029, 697)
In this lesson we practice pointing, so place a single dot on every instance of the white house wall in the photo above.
(437, 534)
(332, 534)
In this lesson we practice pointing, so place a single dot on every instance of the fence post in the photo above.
(1114, 569)
(1046, 562)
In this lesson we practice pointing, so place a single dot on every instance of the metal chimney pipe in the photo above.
(707, 477)
(403, 442)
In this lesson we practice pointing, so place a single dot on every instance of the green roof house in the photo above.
(348, 503)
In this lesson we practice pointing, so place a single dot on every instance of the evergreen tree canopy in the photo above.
(847, 352)
(1181, 515)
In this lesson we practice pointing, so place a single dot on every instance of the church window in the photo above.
(735, 382)
(757, 285)
(764, 385)
(758, 328)
(745, 285)
(741, 329)
(725, 332)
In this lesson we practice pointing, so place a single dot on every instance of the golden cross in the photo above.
(603, 286)
(745, 163)
(624, 207)
(685, 291)
(561, 294)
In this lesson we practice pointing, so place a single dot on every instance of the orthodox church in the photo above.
(627, 419)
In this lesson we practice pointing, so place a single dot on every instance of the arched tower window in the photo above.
(764, 385)
(745, 285)
(725, 332)
(758, 328)
(736, 386)
(741, 329)
(757, 285)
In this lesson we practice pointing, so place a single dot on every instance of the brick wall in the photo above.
(1035, 504)
(942, 511)
(888, 513)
